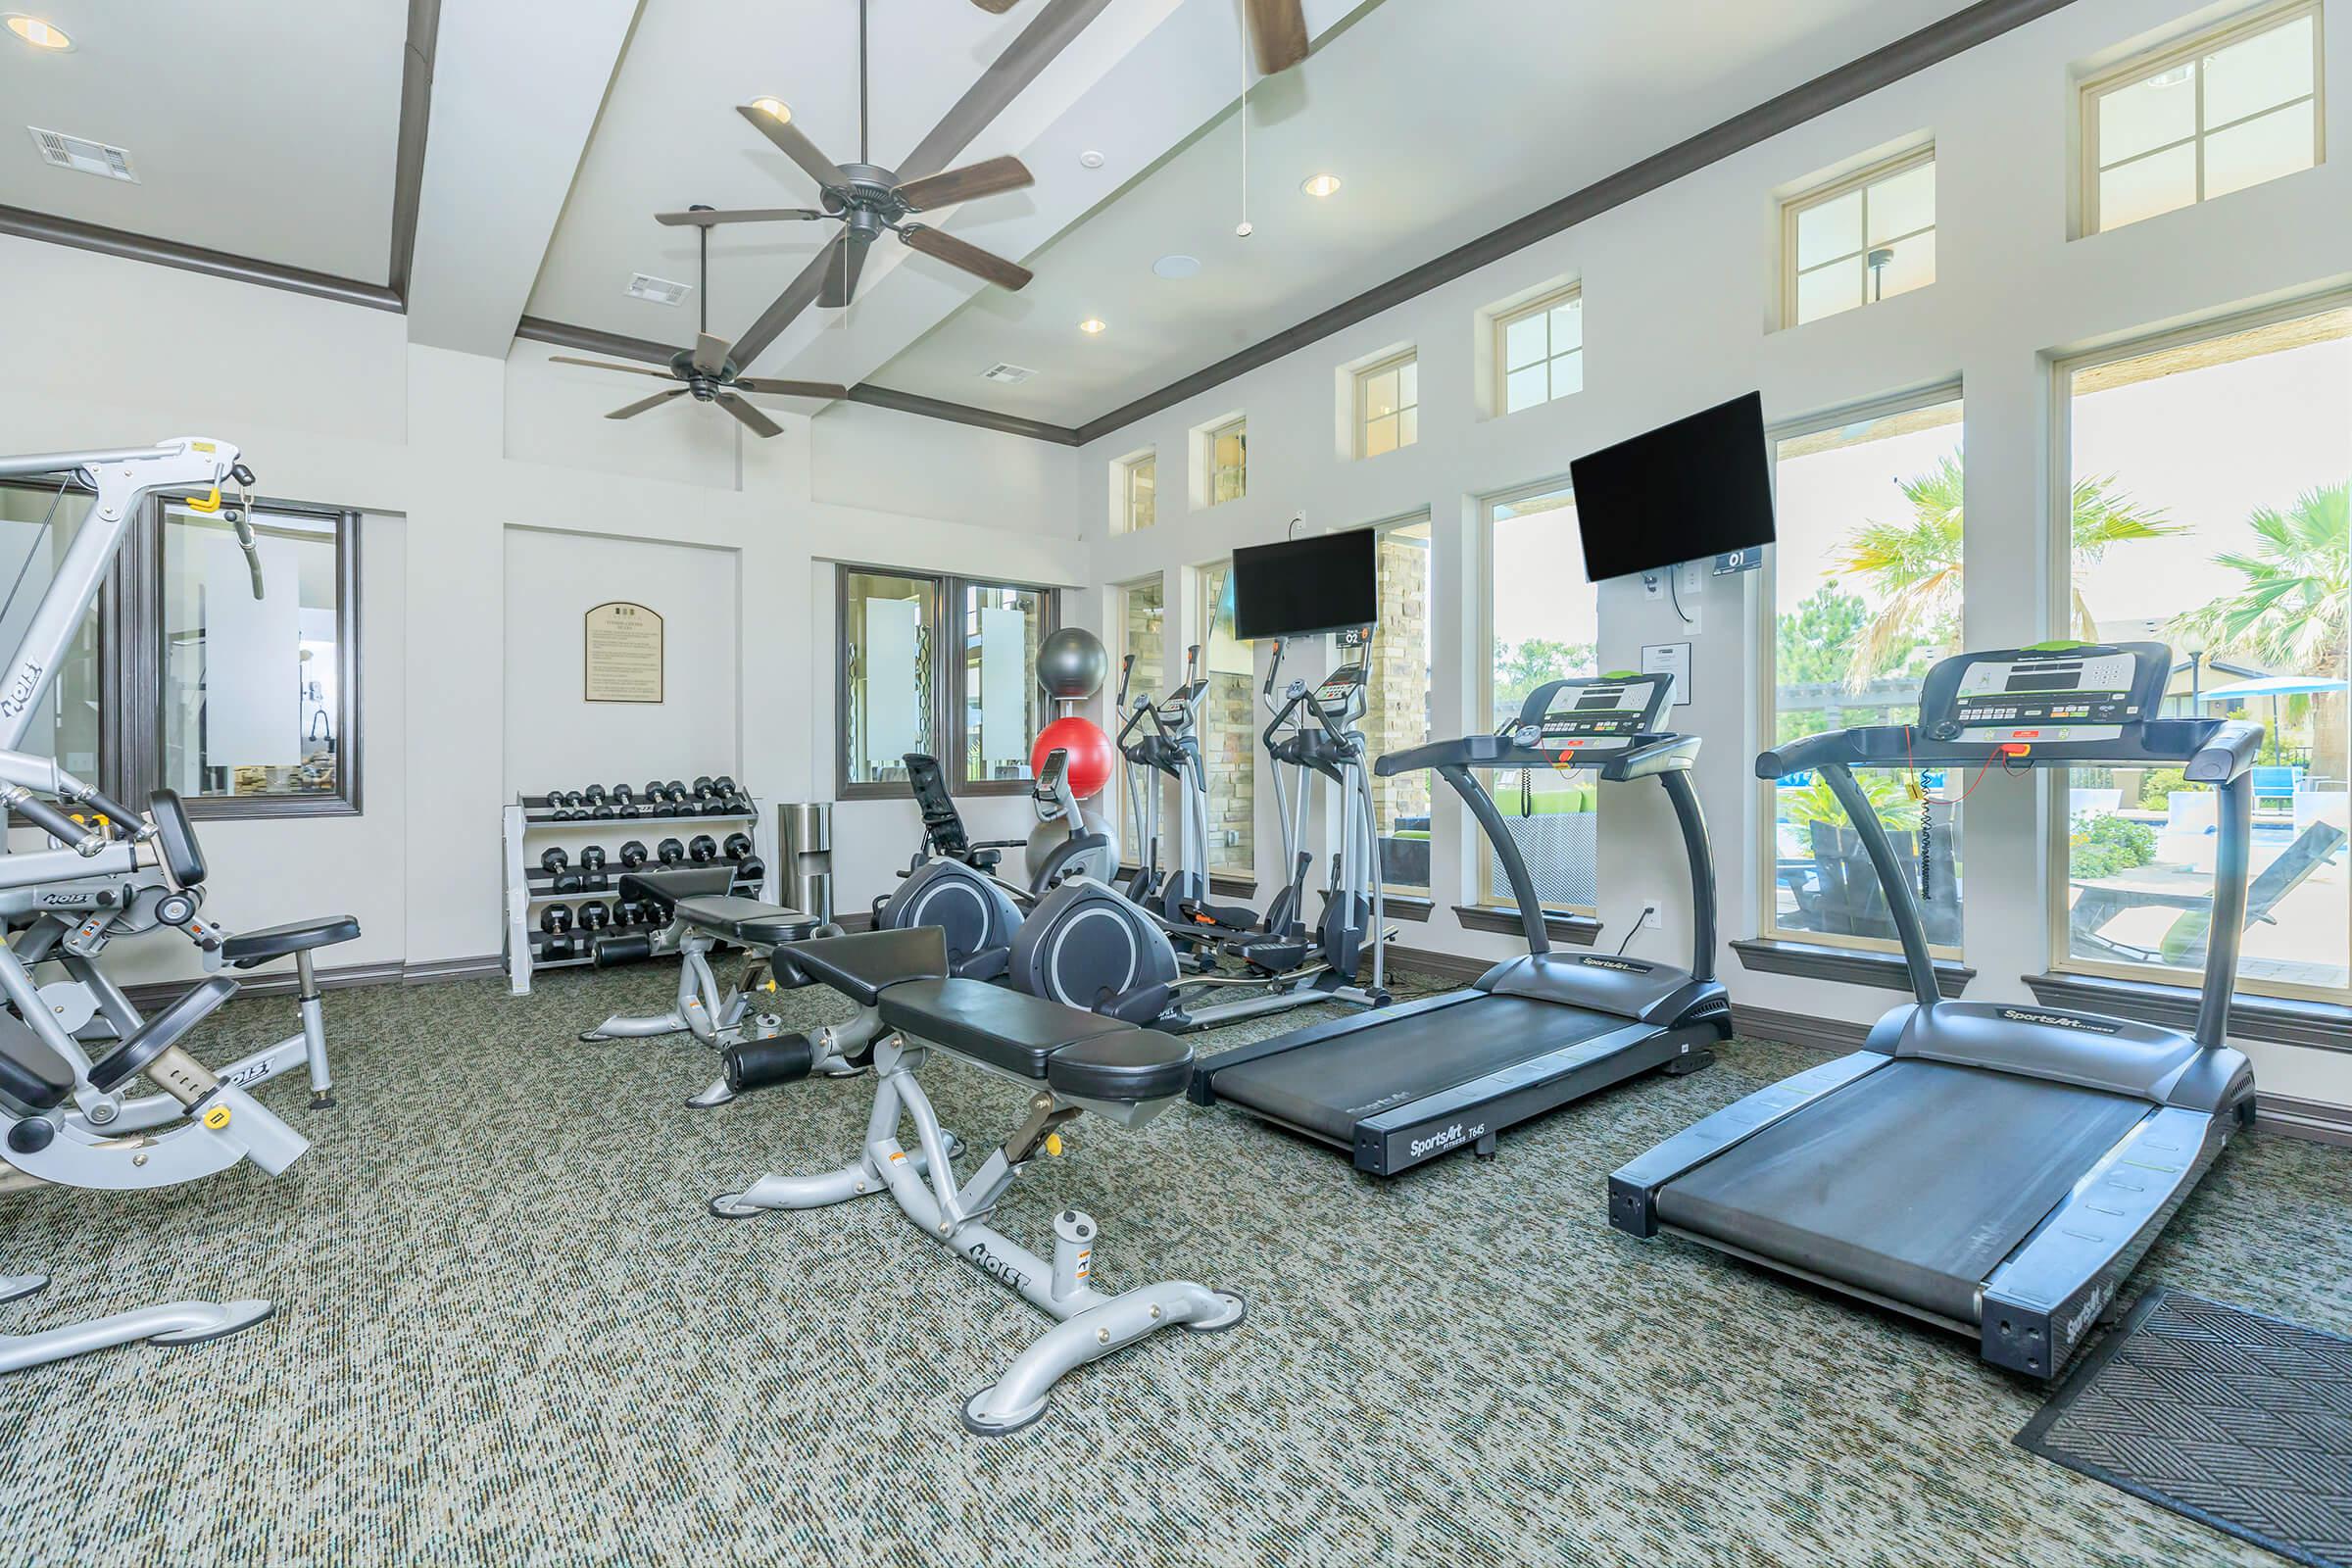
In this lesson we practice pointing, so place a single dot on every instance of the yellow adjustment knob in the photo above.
(216, 1117)
(1053, 1144)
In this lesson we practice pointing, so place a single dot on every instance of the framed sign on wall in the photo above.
(623, 654)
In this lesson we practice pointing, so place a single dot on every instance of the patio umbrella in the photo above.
(2274, 687)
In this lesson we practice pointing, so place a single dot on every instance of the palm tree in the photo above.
(1914, 565)
(2290, 610)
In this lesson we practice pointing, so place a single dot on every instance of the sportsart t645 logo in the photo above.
(2060, 1020)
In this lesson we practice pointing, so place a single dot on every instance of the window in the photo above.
(1228, 727)
(2227, 109)
(1004, 706)
(1141, 627)
(67, 728)
(2208, 476)
(1227, 449)
(1860, 239)
(1139, 487)
(1387, 406)
(1396, 702)
(1865, 582)
(228, 661)
(901, 691)
(1542, 621)
(1540, 350)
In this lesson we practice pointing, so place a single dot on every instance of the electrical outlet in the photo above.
(1650, 918)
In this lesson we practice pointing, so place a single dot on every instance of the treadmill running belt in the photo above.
(1328, 1087)
(1911, 1183)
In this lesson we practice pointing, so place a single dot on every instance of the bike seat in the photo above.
(249, 948)
(32, 1077)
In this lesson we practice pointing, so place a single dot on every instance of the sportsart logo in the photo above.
(2060, 1020)
(1618, 963)
(2088, 1315)
(1455, 1134)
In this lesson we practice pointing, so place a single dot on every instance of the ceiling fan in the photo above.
(866, 199)
(1278, 27)
(707, 371)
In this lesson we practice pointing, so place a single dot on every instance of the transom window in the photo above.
(1227, 452)
(1387, 406)
(1139, 492)
(1540, 350)
(1863, 238)
(2230, 108)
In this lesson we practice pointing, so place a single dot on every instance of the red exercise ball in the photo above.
(1090, 752)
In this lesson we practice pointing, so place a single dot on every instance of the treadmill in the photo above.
(1992, 1168)
(1405, 1084)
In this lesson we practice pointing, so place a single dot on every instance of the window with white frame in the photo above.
(1228, 726)
(2232, 107)
(1396, 698)
(2217, 466)
(1540, 350)
(1387, 406)
(1139, 491)
(1859, 239)
(937, 664)
(1542, 621)
(1865, 582)
(1225, 449)
(1142, 626)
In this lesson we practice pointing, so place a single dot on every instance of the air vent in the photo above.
(660, 290)
(61, 151)
(1003, 372)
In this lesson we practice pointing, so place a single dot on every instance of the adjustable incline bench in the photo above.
(1071, 1061)
(701, 913)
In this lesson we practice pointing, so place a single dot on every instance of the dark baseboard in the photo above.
(2314, 1119)
(1452, 967)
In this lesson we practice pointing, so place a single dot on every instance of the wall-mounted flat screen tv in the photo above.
(1303, 587)
(1692, 490)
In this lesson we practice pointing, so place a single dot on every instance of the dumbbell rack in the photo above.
(530, 828)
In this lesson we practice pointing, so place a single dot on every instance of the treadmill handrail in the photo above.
(1501, 752)
(2211, 750)
(1652, 755)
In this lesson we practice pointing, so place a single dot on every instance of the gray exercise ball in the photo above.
(1071, 665)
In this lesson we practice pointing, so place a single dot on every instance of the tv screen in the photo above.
(1687, 491)
(1304, 586)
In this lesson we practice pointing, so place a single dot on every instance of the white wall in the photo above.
(1678, 291)
(448, 453)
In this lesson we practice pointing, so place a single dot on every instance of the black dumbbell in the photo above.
(702, 849)
(574, 799)
(632, 853)
(593, 795)
(654, 790)
(559, 814)
(723, 784)
(702, 787)
(738, 846)
(555, 919)
(752, 870)
(604, 814)
(592, 859)
(568, 882)
(554, 859)
(717, 806)
(628, 913)
(595, 916)
(676, 789)
(671, 851)
(621, 795)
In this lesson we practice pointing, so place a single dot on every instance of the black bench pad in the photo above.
(1073, 1051)
(249, 948)
(745, 921)
(663, 889)
(32, 1077)
(862, 964)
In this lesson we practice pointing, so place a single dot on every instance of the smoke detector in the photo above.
(660, 290)
(78, 153)
(1003, 372)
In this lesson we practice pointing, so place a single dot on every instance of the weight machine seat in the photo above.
(249, 948)
(160, 1034)
(663, 889)
(863, 964)
(32, 1077)
(1073, 1051)
(745, 921)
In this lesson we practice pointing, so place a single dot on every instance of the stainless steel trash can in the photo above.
(804, 831)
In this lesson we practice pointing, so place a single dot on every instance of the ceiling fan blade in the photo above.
(1046, 36)
(795, 146)
(607, 365)
(753, 419)
(984, 179)
(1278, 27)
(790, 304)
(971, 257)
(743, 215)
(829, 391)
(841, 281)
(996, 8)
(710, 354)
(643, 404)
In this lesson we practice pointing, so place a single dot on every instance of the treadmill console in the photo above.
(1589, 720)
(2054, 692)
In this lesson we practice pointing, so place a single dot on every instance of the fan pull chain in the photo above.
(1242, 229)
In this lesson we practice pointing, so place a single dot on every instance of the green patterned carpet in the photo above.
(509, 1334)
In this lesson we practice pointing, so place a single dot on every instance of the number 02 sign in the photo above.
(624, 658)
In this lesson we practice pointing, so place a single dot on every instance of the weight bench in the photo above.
(701, 915)
(1070, 1060)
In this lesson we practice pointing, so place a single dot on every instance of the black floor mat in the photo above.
(2239, 1421)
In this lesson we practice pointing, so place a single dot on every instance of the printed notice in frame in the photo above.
(1669, 658)
(624, 658)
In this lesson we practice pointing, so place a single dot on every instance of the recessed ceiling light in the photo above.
(1090, 158)
(1177, 266)
(38, 34)
(773, 105)
(1321, 184)
(1091, 325)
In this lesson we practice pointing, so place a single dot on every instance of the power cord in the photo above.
(1674, 594)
